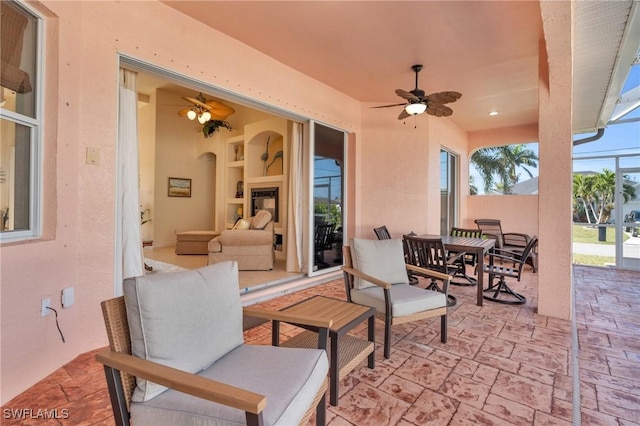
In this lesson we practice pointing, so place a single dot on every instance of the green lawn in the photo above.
(585, 234)
(592, 260)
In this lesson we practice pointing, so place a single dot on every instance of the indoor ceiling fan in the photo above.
(205, 110)
(418, 103)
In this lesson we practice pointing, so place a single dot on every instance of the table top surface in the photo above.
(340, 311)
(466, 242)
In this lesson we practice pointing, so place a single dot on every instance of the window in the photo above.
(504, 170)
(20, 122)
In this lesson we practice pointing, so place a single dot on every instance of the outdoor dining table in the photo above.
(479, 246)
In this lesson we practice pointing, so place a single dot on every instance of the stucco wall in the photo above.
(80, 199)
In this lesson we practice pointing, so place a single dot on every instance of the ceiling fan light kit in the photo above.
(419, 103)
(415, 109)
(210, 113)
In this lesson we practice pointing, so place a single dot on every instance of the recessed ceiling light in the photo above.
(493, 113)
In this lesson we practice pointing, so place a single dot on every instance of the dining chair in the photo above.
(375, 274)
(429, 253)
(177, 356)
(323, 240)
(467, 259)
(512, 241)
(500, 292)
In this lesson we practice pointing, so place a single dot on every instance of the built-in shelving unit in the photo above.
(234, 174)
(258, 159)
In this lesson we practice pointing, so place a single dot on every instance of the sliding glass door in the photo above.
(448, 191)
(326, 166)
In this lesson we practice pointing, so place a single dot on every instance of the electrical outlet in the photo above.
(43, 307)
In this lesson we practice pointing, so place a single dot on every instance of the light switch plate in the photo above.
(68, 297)
(93, 156)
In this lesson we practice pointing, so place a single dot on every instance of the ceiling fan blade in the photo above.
(407, 95)
(439, 110)
(195, 102)
(404, 114)
(218, 110)
(183, 112)
(387, 106)
(443, 97)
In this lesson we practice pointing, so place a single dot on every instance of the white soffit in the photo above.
(607, 38)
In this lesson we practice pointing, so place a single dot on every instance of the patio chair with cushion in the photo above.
(511, 241)
(470, 259)
(375, 274)
(177, 356)
(383, 234)
(500, 292)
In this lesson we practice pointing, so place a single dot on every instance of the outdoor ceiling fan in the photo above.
(205, 110)
(418, 103)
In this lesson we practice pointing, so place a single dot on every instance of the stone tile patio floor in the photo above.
(501, 365)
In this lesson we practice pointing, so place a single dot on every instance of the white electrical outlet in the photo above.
(43, 307)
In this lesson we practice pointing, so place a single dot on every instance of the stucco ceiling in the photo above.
(487, 50)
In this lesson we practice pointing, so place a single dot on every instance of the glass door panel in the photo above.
(628, 218)
(327, 187)
(448, 191)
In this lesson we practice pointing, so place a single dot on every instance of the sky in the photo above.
(617, 139)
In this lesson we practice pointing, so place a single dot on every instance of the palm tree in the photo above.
(596, 192)
(501, 163)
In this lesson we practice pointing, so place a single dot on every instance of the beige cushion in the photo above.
(382, 259)
(261, 219)
(405, 299)
(186, 320)
(241, 225)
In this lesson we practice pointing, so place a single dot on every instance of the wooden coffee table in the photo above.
(346, 351)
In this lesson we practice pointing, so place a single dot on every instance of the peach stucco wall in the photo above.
(555, 279)
(392, 171)
(82, 105)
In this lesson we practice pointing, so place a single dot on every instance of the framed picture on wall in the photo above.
(179, 187)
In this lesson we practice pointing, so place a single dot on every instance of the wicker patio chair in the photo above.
(212, 395)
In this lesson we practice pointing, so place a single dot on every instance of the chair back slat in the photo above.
(382, 233)
(114, 312)
(491, 228)
(467, 233)
(426, 253)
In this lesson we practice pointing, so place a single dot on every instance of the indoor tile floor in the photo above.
(501, 365)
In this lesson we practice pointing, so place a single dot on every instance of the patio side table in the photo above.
(346, 351)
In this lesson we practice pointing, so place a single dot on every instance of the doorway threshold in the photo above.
(271, 290)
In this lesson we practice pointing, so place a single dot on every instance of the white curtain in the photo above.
(294, 193)
(128, 226)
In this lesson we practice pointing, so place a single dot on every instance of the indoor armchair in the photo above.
(250, 244)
